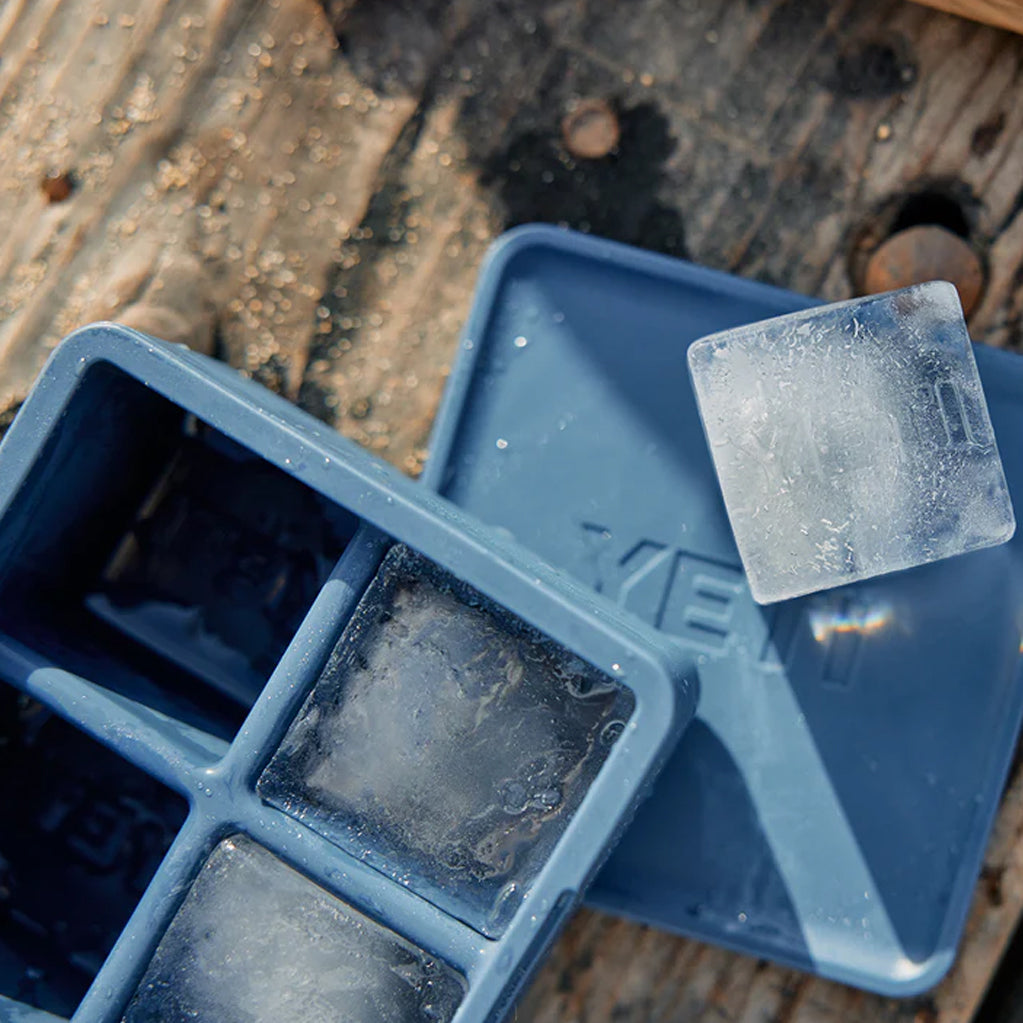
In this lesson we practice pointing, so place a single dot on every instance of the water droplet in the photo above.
(742, 918)
(508, 900)
(521, 342)
(514, 797)
(467, 345)
(610, 733)
(549, 798)
(616, 668)
(559, 317)
(501, 443)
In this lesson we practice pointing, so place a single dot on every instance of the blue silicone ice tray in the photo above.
(830, 806)
(172, 536)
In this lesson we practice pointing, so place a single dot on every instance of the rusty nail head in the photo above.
(590, 129)
(926, 252)
(57, 186)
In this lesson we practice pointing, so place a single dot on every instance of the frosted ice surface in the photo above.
(256, 942)
(851, 440)
(446, 743)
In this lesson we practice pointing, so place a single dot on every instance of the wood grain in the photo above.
(312, 195)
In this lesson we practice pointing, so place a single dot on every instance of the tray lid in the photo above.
(830, 807)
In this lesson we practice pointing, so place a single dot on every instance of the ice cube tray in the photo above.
(180, 551)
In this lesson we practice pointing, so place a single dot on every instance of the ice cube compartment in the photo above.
(446, 742)
(83, 834)
(183, 565)
(257, 942)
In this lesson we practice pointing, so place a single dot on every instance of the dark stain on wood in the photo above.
(991, 878)
(943, 204)
(986, 135)
(615, 197)
(874, 69)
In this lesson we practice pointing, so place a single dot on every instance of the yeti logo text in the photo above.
(681, 593)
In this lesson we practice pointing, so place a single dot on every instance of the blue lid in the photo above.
(830, 805)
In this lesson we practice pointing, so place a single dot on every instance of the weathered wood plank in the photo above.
(224, 130)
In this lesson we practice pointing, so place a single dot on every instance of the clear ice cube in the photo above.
(257, 942)
(446, 742)
(851, 440)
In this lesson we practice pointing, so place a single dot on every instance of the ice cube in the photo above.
(446, 742)
(851, 440)
(256, 941)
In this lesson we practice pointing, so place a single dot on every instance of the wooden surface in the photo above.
(1003, 13)
(310, 197)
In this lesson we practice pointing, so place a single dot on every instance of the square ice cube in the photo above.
(446, 742)
(257, 942)
(851, 440)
